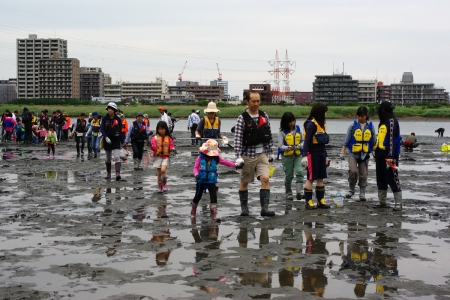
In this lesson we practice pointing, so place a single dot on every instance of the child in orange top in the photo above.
(162, 146)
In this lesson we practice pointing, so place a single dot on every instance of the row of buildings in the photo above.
(45, 71)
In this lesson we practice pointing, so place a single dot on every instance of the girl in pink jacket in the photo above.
(205, 172)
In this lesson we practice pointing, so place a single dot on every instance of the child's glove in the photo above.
(197, 177)
(224, 141)
(305, 162)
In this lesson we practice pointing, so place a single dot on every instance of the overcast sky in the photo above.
(139, 40)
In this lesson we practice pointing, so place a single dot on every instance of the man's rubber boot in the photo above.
(320, 195)
(139, 165)
(299, 189)
(362, 194)
(351, 190)
(194, 209)
(398, 201)
(264, 198)
(95, 154)
(117, 166)
(382, 194)
(108, 170)
(243, 197)
(308, 199)
(136, 164)
(213, 211)
(289, 195)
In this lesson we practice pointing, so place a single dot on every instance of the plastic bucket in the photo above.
(338, 200)
(271, 170)
(445, 147)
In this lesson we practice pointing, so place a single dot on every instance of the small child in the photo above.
(162, 146)
(205, 172)
(51, 140)
(42, 134)
(20, 130)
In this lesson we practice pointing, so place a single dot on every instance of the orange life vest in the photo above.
(124, 125)
(162, 145)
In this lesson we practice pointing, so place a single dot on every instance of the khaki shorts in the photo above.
(254, 166)
(158, 162)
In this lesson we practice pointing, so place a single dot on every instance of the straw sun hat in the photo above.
(211, 108)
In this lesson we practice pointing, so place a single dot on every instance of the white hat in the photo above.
(112, 105)
(211, 108)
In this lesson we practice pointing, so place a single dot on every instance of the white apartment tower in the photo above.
(29, 52)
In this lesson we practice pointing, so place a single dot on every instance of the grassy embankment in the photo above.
(334, 112)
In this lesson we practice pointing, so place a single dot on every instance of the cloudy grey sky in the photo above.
(137, 40)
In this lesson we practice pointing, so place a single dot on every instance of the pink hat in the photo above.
(210, 148)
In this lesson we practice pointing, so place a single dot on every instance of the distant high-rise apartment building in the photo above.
(153, 91)
(29, 52)
(336, 88)
(8, 90)
(409, 93)
(59, 78)
(221, 83)
(367, 91)
(91, 83)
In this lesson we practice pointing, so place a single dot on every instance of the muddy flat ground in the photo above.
(67, 233)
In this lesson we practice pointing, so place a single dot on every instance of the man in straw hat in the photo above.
(253, 146)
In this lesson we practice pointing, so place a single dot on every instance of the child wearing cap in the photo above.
(205, 172)
(162, 146)
(137, 133)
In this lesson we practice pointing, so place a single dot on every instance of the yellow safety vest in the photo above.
(361, 140)
(292, 140)
(382, 131)
(319, 130)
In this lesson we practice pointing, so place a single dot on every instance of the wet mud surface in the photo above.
(65, 232)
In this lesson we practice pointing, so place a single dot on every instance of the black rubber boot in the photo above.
(243, 197)
(118, 165)
(108, 170)
(264, 198)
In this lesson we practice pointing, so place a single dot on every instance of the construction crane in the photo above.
(220, 74)
(180, 76)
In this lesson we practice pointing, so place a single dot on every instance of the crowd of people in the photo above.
(301, 150)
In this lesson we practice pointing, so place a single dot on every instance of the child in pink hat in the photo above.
(205, 172)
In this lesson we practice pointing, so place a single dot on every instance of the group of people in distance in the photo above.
(300, 149)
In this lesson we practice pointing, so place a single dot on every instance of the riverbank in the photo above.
(183, 111)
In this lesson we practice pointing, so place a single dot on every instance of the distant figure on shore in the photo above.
(440, 132)
(410, 142)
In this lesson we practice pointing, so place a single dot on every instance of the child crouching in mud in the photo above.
(162, 146)
(51, 140)
(205, 172)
